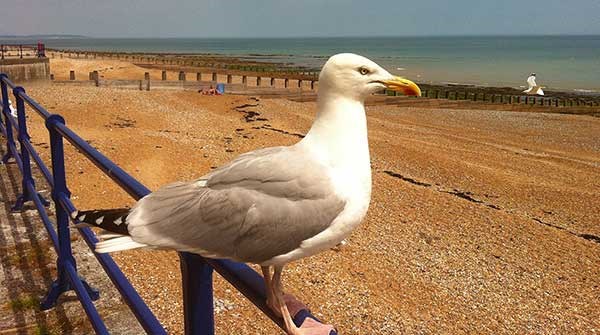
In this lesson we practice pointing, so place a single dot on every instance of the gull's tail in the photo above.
(113, 221)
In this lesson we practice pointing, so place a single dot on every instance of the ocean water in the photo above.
(561, 62)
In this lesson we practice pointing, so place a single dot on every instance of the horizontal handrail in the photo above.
(40, 163)
(9, 82)
(147, 320)
(36, 107)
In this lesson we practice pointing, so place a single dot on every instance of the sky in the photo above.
(298, 18)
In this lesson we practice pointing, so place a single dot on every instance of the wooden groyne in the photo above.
(214, 63)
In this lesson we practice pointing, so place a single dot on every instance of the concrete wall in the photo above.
(26, 69)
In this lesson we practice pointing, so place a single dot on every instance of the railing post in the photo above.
(23, 137)
(60, 190)
(198, 311)
(8, 126)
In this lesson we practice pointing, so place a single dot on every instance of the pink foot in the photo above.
(309, 326)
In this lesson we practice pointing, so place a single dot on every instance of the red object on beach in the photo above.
(41, 49)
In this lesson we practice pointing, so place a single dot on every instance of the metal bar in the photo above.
(36, 107)
(81, 290)
(127, 182)
(45, 218)
(4, 82)
(250, 284)
(12, 147)
(196, 275)
(60, 190)
(14, 123)
(7, 81)
(65, 281)
(40, 163)
(23, 137)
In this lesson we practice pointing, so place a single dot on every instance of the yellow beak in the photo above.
(405, 86)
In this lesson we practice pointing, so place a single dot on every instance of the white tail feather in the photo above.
(118, 244)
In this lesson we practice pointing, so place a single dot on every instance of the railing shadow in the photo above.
(28, 248)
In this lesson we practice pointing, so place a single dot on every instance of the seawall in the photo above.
(26, 69)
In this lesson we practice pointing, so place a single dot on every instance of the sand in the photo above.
(481, 221)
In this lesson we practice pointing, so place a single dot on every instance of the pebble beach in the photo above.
(482, 221)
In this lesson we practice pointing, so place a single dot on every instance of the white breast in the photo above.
(356, 191)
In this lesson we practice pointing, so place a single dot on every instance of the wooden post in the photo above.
(198, 76)
(96, 78)
(140, 85)
(286, 83)
(181, 75)
(146, 75)
(299, 83)
(164, 75)
(214, 76)
(229, 79)
(272, 81)
(244, 80)
(71, 75)
(437, 94)
(447, 94)
(258, 81)
(51, 76)
(312, 84)
(148, 84)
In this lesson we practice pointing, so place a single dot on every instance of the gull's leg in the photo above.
(271, 302)
(309, 327)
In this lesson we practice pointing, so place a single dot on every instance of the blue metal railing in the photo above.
(196, 271)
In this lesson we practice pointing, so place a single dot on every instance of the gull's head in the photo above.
(357, 77)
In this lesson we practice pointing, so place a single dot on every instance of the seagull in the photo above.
(275, 205)
(13, 110)
(533, 88)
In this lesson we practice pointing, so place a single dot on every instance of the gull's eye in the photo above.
(364, 71)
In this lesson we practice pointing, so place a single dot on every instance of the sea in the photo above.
(568, 63)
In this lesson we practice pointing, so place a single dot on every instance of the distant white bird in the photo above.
(13, 110)
(275, 205)
(533, 87)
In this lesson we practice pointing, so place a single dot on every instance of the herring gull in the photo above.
(276, 205)
(533, 88)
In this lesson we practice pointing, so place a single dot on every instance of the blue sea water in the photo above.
(561, 62)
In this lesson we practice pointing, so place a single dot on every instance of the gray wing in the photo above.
(262, 204)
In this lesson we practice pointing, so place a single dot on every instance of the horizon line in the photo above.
(75, 36)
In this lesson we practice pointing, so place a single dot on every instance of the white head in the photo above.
(357, 77)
